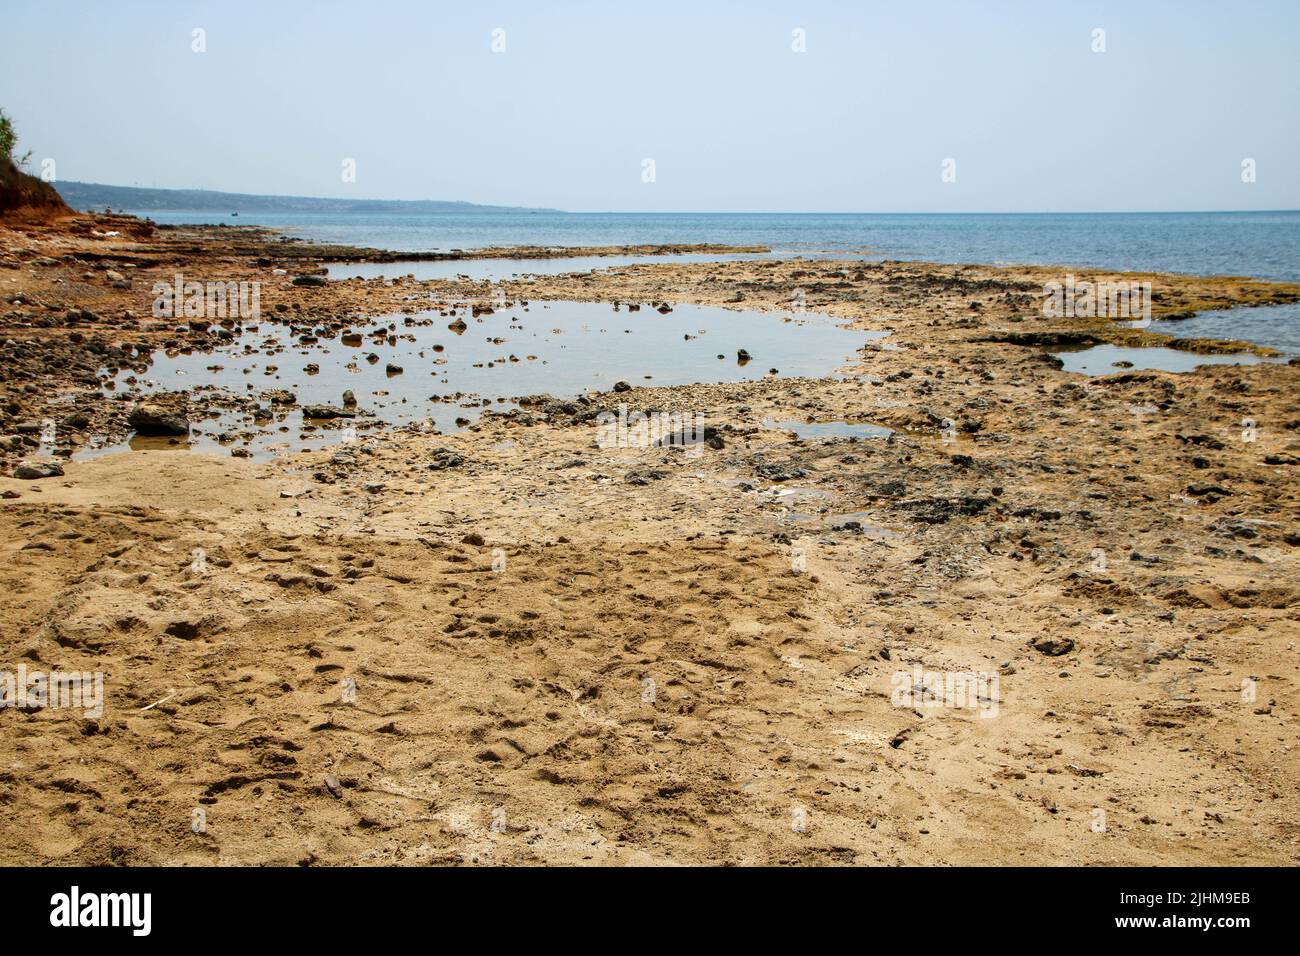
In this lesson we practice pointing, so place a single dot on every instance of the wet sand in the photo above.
(563, 653)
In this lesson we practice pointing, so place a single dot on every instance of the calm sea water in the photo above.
(1265, 245)
(1261, 244)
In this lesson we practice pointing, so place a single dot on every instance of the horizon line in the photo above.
(691, 212)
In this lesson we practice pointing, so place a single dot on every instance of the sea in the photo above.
(1264, 245)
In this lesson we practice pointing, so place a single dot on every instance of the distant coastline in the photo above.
(97, 196)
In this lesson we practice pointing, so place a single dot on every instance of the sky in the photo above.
(561, 104)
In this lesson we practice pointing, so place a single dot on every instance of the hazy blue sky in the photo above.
(713, 92)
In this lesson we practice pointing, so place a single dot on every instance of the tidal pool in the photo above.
(1277, 326)
(441, 369)
(821, 430)
(1106, 359)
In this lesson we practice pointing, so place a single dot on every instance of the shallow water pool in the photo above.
(453, 365)
(1112, 359)
(1277, 326)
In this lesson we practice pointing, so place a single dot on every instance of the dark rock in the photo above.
(327, 411)
(151, 418)
(644, 476)
(31, 470)
(185, 630)
(444, 458)
(780, 471)
(941, 510)
(1053, 646)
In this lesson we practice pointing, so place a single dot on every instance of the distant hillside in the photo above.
(87, 196)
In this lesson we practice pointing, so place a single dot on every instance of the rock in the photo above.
(1247, 528)
(644, 476)
(558, 409)
(622, 387)
(780, 471)
(1053, 646)
(31, 470)
(327, 411)
(185, 630)
(150, 418)
(443, 458)
(940, 510)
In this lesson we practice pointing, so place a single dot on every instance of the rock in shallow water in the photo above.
(327, 411)
(149, 418)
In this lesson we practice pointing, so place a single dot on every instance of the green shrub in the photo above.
(9, 141)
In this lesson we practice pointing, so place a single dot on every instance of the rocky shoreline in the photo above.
(643, 655)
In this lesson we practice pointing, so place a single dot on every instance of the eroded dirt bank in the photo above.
(563, 653)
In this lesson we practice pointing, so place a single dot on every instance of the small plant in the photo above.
(9, 141)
